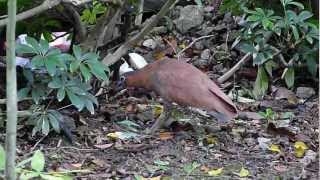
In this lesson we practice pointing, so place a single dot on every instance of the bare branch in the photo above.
(47, 4)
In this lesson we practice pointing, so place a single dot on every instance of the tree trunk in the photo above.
(11, 127)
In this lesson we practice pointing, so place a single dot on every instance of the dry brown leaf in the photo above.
(103, 146)
(165, 135)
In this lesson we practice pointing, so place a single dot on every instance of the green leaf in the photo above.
(47, 36)
(297, 4)
(89, 106)
(37, 61)
(269, 65)
(2, 158)
(304, 15)
(44, 46)
(29, 175)
(23, 92)
(98, 69)
(312, 66)
(51, 66)
(247, 48)
(85, 72)
(55, 83)
(75, 100)
(261, 83)
(22, 49)
(33, 43)
(61, 94)
(289, 77)
(253, 18)
(37, 162)
(45, 125)
(295, 32)
(90, 57)
(199, 3)
(54, 122)
(191, 167)
(74, 66)
(77, 51)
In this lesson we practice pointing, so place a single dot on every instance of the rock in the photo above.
(205, 54)
(220, 27)
(201, 63)
(228, 18)
(190, 16)
(305, 92)
(150, 43)
(309, 157)
(205, 31)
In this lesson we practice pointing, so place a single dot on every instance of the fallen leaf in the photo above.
(244, 172)
(122, 135)
(103, 146)
(275, 148)
(137, 177)
(165, 135)
(299, 149)
(215, 172)
(204, 169)
(157, 110)
(264, 143)
(211, 140)
(310, 156)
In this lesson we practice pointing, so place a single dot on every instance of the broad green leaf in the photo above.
(44, 46)
(77, 52)
(38, 162)
(61, 94)
(54, 122)
(23, 92)
(47, 36)
(247, 48)
(253, 18)
(2, 158)
(98, 69)
(55, 83)
(261, 83)
(74, 66)
(304, 15)
(29, 75)
(54, 52)
(75, 100)
(51, 66)
(37, 61)
(33, 43)
(22, 49)
(90, 57)
(289, 77)
(85, 72)
(215, 172)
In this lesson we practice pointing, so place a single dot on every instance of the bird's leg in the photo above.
(160, 121)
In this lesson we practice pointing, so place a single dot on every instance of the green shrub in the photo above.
(283, 41)
(60, 75)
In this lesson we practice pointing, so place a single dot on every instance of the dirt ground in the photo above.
(190, 147)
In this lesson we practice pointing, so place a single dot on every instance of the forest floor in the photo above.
(111, 144)
(190, 148)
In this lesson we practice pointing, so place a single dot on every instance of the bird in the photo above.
(182, 83)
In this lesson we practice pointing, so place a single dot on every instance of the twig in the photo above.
(35, 145)
(228, 74)
(171, 45)
(123, 49)
(191, 44)
(47, 4)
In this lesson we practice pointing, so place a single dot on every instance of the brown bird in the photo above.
(184, 84)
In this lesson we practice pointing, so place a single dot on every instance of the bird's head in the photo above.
(122, 83)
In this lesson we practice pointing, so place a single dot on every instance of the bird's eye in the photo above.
(122, 78)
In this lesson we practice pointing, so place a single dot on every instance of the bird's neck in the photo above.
(138, 79)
